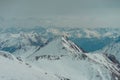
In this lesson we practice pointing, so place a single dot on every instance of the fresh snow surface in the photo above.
(75, 69)
(11, 69)
(58, 47)
(72, 64)
(60, 59)
(112, 49)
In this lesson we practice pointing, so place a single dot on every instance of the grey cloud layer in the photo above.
(98, 11)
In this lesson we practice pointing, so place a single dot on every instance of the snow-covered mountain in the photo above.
(76, 32)
(13, 69)
(56, 54)
(91, 39)
(22, 42)
(113, 49)
(65, 58)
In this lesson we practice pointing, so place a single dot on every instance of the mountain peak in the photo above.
(71, 46)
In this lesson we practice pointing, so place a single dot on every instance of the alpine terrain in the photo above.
(60, 54)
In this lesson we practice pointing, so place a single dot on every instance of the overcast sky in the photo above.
(88, 12)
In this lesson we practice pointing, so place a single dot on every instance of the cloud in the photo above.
(72, 12)
(54, 7)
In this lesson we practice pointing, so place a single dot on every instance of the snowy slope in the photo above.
(57, 48)
(74, 63)
(75, 69)
(59, 58)
(54, 50)
(113, 49)
(12, 69)
(20, 43)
